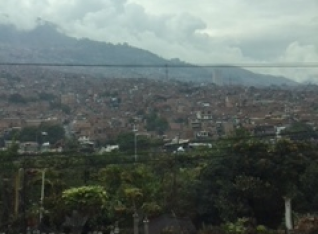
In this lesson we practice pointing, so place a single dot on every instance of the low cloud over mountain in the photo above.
(208, 32)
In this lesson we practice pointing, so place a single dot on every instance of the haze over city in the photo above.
(159, 116)
(200, 32)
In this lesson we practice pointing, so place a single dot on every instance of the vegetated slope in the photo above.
(232, 75)
(46, 44)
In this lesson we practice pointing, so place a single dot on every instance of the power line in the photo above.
(229, 147)
(213, 154)
(221, 140)
(232, 65)
(182, 157)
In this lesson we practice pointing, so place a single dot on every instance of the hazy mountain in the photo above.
(231, 75)
(45, 44)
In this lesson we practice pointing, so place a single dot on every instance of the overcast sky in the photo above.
(201, 31)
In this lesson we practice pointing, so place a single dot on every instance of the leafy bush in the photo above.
(89, 199)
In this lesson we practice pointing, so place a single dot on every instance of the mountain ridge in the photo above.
(46, 44)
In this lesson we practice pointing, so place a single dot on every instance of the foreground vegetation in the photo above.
(240, 184)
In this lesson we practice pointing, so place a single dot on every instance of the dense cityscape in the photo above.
(160, 140)
(98, 110)
(158, 117)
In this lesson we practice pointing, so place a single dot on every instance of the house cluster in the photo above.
(97, 108)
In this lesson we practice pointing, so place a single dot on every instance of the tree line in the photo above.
(240, 177)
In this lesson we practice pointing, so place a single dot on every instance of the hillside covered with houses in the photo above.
(98, 110)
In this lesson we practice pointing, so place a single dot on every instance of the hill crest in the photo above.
(47, 44)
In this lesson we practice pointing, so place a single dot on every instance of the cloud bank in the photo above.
(200, 32)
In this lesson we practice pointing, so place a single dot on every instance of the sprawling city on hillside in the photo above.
(96, 110)
(158, 117)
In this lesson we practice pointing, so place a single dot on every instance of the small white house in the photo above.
(108, 149)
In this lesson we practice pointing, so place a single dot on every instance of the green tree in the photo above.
(156, 123)
(58, 105)
(17, 98)
(131, 188)
(86, 199)
(300, 131)
(43, 133)
(29, 133)
(307, 200)
(46, 96)
(54, 132)
(294, 159)
(251, 178)
(72, 144)
(126, 142)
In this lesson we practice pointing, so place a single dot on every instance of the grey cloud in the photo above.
(133, 20)
(272, 43)
(80, 10)
(210, 32)
(22, 14)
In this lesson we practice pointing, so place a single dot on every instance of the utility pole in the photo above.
(136, 222)
(25, 224)
(146, 225)
(174, 195)
(135, 130)
(42, 194)
(288, 215)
